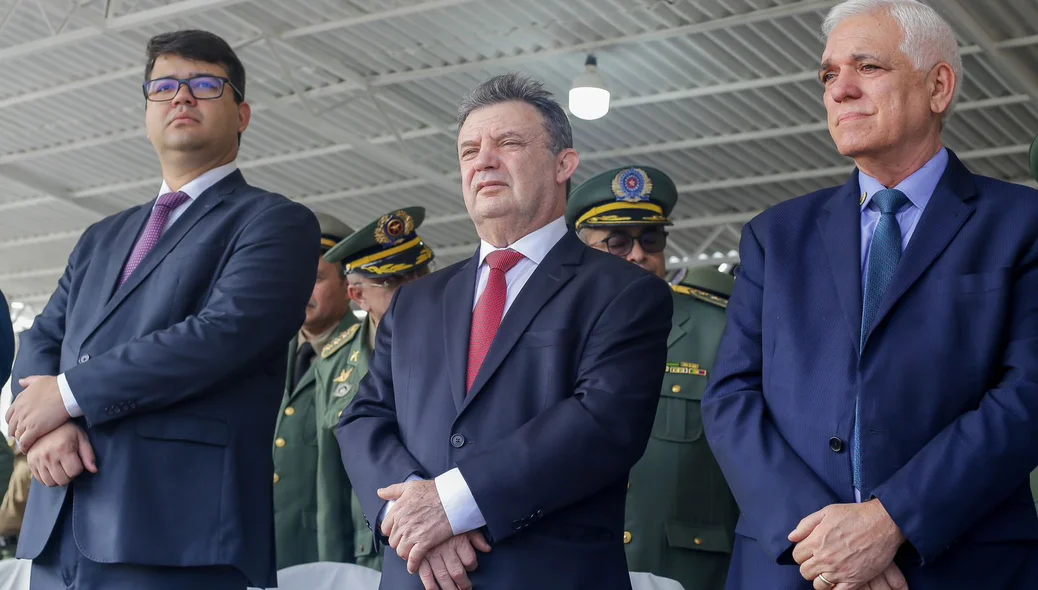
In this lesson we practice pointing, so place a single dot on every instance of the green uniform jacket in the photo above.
(295, 466)
(680, 515)
(342, 533)
(1034, 487)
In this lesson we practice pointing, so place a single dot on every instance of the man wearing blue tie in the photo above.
(874, 404)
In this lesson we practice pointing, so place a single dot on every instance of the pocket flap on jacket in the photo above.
(700, 538)
(182, 427)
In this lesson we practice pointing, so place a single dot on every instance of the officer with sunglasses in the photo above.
(680, 515)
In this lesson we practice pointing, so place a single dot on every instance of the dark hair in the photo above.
(521, 88)
(199, 46)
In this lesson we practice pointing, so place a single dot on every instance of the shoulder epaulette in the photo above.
(701, 295)
(339, 341)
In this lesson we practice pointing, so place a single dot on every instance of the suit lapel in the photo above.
(840, 226)
(557, 268)
(205, 203)
(940, 222)
(457, 323)
(121, 249)
(681, 317)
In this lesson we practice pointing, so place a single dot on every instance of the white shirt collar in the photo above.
(204, 182)
(534, 245)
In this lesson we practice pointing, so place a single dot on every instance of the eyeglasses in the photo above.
(621, 243)
(200, 87)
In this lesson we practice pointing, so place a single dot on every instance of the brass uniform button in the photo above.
(280, 443)
(628, 485)
(340, 413)
(277, 478)
(676, 389)
(627, 537)
(289, 411)
(697, 541)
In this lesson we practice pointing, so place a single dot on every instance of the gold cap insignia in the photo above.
(391, 228)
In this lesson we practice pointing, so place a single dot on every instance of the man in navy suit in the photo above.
(513, 435)
(153, 376)
(875, 398)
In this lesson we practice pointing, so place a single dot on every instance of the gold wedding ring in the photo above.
(826, 582)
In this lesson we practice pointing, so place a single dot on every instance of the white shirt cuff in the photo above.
(71, 406)
(462, 511)
(389, 505)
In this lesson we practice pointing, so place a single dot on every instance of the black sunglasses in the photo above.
(621, 243)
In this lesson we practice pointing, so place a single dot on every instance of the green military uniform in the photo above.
(680, 515)
(386, 248)
(295, 439)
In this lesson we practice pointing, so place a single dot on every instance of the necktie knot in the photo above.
(503, 260)
(890, 200)
(172, 200)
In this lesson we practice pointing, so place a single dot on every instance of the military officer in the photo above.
(378, 259)
(295, 439)
(680, 515)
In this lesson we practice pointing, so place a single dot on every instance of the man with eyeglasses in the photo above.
(377, 260)
(680, 516)
(148, 388)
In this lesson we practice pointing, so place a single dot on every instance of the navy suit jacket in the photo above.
(561, 409)
(179, 373)
(948, 380)
(6, 341)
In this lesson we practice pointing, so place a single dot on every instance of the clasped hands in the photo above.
(852, 546)
(56, 450)
(419, 531)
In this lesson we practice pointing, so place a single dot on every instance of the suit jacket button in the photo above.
(84, 358)
(457, 441)
(835, 444)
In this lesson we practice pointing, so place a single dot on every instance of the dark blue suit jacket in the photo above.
(180, 374)
(6, 341)
(560, 411)
(948, 380)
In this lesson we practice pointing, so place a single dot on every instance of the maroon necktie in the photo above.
(153, 231)
(486, 318)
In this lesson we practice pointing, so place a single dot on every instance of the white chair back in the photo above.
(14, 574)
(327, 576)
(646, 581)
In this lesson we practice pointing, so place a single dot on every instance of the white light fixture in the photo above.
(589, 97)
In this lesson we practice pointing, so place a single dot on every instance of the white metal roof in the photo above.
(354, 105)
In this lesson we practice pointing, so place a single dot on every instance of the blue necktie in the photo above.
(884, 254)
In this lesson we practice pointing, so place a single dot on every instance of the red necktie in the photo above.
(486, 318)
(153, 230)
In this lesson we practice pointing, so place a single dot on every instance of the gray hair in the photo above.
(517, 87)
(928, 38)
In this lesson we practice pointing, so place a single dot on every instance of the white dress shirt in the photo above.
(459, 505)
(193, 190)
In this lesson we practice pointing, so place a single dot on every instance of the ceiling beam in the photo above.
(369, 18)
(433, 129)
(48, 187)
(1013, 70)
(137, 19)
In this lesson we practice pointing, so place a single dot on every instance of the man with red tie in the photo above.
(510, 394)
(147, 389)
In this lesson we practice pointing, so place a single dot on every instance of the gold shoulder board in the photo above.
(701, 295)
(339, 341)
